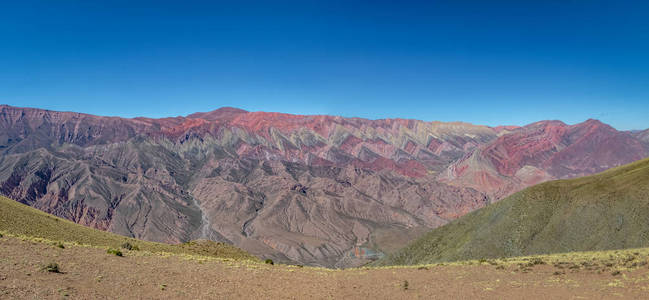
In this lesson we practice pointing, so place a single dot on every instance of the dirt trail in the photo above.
(91, 273)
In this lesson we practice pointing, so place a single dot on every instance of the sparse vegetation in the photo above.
(52, 268)
(116, 252)
(269, 261)
(129, 246)
(622, 272)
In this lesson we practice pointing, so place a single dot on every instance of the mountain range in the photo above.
(316, 190)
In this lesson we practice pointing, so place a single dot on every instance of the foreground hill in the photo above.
(20, 220)
(604, 211)
(91, 273)
(316, 190)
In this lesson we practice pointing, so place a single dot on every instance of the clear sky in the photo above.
(484, 62)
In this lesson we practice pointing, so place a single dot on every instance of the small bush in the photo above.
(405, 284)
(115, 251)
(129, 246)
(615, 273)
(269, 261)
(60, 245)
(1, 235)
(52, 267)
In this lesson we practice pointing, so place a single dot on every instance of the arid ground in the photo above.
(90, 272)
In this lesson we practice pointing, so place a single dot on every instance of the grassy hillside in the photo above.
(21, 220)
(609, 210)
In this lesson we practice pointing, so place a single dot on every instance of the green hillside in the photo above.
(22, 220)
(609, 210)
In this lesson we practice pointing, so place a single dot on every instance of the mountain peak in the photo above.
(220, 113)
(593, 122)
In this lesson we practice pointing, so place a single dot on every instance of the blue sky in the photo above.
(484, 62)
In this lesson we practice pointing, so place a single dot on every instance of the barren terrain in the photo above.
(91, 272)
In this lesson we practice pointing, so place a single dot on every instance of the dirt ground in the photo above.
(92, 273)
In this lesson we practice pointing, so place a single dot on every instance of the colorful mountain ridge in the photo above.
(303, 189)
